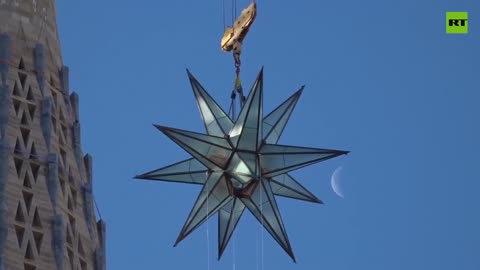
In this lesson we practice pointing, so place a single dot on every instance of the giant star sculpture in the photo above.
(240, 165)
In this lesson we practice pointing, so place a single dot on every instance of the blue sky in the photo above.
(383, 80)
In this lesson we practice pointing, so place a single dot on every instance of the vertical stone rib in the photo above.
(40, 66)
(74, 105)
(58, 226)
(46, 121)
(77, 146)
(65, 79)
(4, 150)
(100, 251)
(5, 44)
(87, 194)
(4, 109)
(65, 86)
(52, 180)
(58, 242)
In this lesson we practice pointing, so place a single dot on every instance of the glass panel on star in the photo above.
(213, 128)
(263, 206)
(210, 155)
(224, 218)
(274, 135)
(251, 160)
(278, 148)
(191, 178)
(212, 197)
(211, 151)
(287, 186)
(238, 166)
(215, 119)
(207, 189)
(226, 123)
(246, 133)
(228, 219)
(266, 128)
(279, 159)
(275, 122)
(219, 156)
(241, 179)
(187, 171)
(218, 141)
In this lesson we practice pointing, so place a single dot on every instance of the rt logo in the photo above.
(457, 22)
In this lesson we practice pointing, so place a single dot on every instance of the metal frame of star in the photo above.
(240, 165)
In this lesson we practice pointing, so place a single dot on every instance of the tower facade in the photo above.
(47, 218)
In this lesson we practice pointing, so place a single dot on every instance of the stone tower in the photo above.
(47, 218)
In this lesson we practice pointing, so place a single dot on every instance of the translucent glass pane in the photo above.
(212, 152)
(248, 140)
(274, 135)
(275, 122)
(187, 171)
(215, 119)
(246, 133)
(266, 127)
(228, 219)
(208, 117)
(210, 185)
(277, 148)
(278, 164)
(223, 218)
(218, 156)
(287, 186)
(214, 189)
(226, 123)
(180, 167)
(193, 178)
(263, 206)
(278, 159)
(213, 128)
(218, 141)
(221, 191)
(250, 160)
(242, 179)
(241, 168)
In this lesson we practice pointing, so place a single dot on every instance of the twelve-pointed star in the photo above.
(240, 165)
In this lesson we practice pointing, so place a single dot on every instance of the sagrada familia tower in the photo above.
(47, 217)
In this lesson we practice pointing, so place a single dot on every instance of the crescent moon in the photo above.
(336, 182)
